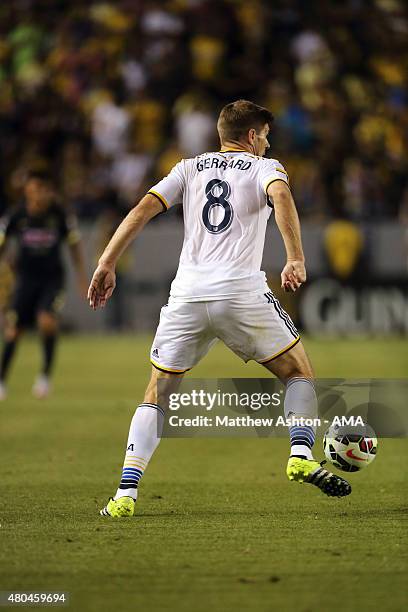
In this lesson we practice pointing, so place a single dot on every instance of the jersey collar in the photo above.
(239, 151)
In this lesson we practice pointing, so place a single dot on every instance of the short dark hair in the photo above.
(238, 117)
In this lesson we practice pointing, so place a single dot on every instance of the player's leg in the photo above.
(19, 316)
(50, 302)
(145, 430)
(183, 337)
(256, 327)
(143, 439)
(294, 369)
(47, 325)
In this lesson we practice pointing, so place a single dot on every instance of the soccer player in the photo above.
(40, 227)
(219, 291)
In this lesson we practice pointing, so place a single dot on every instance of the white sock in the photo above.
(144, 436)
(301, 401)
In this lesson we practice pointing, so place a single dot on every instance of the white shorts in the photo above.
(254, 326)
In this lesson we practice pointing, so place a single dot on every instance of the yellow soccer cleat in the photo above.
(305, 470)
(124, 506)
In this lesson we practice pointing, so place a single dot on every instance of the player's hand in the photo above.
(102, 285)
(293, 275)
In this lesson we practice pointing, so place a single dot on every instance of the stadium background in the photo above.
(108, 96)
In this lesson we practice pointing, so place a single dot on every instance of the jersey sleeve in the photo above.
(170, 189)
(272, 171)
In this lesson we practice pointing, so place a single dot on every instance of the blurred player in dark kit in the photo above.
(40, 227)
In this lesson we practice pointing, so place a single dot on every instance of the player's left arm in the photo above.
(287, 220)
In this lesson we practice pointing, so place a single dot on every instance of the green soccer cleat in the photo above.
(124, 506)
(305, 470)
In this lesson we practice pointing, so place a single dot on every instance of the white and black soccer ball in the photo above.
(350, 450)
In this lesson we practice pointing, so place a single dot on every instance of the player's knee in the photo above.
(294, 364)
(160, 386)
(47, 323)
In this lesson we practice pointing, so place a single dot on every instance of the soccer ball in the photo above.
(350, 451)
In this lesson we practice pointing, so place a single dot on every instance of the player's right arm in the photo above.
(287, 220)
(162, 196)
(104, 278)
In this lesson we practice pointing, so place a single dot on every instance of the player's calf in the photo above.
(144, 437)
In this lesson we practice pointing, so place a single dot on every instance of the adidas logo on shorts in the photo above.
(155, 352)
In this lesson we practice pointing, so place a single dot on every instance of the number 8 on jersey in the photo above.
(215, 198)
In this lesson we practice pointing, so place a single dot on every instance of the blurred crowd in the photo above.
(109, 95)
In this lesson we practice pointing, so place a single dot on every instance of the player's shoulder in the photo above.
(14, 214)
(187, 162)
(271, 162)
(275, 169)
(186, 165)
(10, 222)
(19, 210)
(180, 165)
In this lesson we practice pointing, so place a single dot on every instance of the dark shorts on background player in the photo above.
(32, 296)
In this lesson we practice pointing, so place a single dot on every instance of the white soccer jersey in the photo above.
(226, 210)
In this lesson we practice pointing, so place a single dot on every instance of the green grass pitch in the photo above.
(218, 525)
